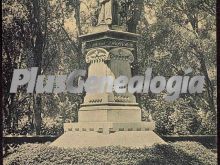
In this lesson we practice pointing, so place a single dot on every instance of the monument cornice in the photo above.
(110, 34)
(108, 43)
(109, 104)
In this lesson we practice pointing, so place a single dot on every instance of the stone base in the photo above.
(133, 139)
(108, 127)
(108, 113)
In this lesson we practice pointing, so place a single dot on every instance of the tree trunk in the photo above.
(79, 29)
(38, 41)
(37, 114)
(209, 86)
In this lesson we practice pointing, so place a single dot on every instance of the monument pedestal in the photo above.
(109, 118)
(108, 126)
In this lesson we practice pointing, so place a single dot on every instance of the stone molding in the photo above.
(109, 42)
(98, 55)
(123, 54)
(109, 127)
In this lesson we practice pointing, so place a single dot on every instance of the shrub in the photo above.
(180, 153)
(186, 153)
(51, 128)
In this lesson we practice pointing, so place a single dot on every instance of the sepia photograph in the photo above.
(109, 82)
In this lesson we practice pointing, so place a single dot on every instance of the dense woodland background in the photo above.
(175, 35)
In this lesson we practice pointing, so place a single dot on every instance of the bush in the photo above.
(180, 153)
(52, 128)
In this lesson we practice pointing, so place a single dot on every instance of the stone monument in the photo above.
(110, 119)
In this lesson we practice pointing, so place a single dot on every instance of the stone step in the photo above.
(133, 139)
(109, 127)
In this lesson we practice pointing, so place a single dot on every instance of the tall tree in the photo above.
(181, 36)
(38, 30)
